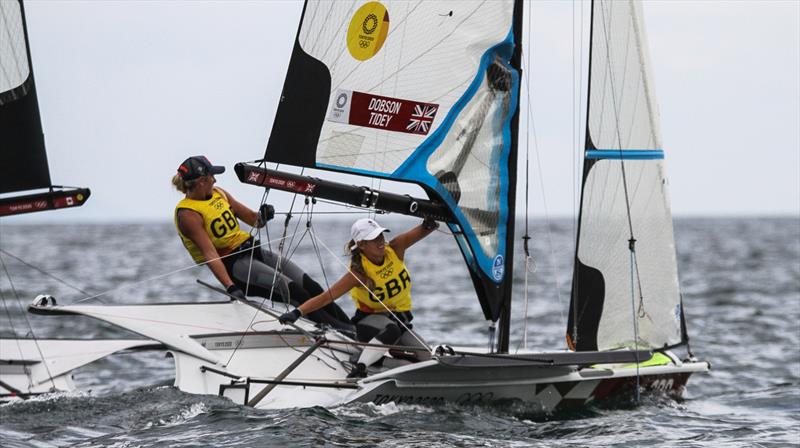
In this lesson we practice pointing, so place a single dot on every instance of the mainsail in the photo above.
(422, 92)
(23, 160)
(625, 285)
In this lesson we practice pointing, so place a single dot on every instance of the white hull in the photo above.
(238, 365)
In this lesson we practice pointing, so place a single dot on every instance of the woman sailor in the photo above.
(380, 285)
(207, 222)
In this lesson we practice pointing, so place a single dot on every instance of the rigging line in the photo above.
(526, 238)
(376, 297)
(42, 271)
(545, 208)
(616, 119)
(18, 341)
(632, 241)
(157, 277)
(276, 271)
(329, 354)
(309, 225)
(635, 326)
(30, 327)
(635, 278)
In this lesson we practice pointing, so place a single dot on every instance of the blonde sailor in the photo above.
(380, 285)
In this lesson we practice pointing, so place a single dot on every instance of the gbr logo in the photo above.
(223, 224)
(392, 287)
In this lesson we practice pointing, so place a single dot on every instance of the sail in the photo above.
(421, 92)
(23, 160)
(617, 293)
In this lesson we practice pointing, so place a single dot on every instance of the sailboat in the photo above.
(429, 93)
(28, 365)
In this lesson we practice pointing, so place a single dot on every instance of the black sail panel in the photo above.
(301, 111)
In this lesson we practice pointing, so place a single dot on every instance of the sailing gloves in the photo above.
(290, 317)
(235, 292)
(430, 224)
(265, 213)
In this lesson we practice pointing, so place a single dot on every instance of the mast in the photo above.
(516, 62)
(572, 317)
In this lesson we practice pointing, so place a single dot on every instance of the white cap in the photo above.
(365, 229)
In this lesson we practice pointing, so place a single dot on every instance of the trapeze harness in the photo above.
(392, 289)
(219, 222)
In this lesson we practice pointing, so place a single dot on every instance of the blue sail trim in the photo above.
(415, 167)
(625, 154)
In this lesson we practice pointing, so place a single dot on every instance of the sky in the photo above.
(128, 89)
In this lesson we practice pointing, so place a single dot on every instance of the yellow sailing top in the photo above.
(392, 285)
(219, 223)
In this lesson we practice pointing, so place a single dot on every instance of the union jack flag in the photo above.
(421, 118)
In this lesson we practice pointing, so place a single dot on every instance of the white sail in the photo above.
(624, 197)
(12, 48)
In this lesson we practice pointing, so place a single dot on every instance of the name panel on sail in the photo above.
(382, 112)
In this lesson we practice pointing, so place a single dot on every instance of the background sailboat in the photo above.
(29, 365)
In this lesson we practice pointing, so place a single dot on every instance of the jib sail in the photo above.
(423, 92)
(625, 281)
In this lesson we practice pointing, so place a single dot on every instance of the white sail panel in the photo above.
(429, 56)
(623, 109)
(615, 295)
(13, 56)
(604, 236)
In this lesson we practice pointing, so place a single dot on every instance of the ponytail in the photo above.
(357, 268)
(182, 185)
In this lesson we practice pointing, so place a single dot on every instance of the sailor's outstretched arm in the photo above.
(338, 289)
(407, 239)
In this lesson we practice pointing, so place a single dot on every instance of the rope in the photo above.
(532, 126)
(157, 277)
(635, 278)
(42, 271)
(30, 329)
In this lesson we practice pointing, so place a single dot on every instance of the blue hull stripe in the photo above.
(625, 154)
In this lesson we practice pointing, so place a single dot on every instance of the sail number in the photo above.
(662, 384)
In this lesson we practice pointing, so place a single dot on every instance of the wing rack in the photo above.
(339, 192)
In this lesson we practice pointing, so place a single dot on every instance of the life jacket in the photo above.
(219, 223)
(392, 285)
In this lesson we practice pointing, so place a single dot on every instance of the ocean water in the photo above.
(740, 278)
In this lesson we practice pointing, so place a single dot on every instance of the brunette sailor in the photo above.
(380, 285)
(207, 220)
